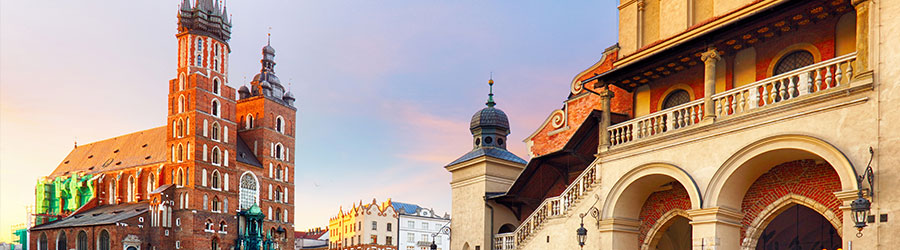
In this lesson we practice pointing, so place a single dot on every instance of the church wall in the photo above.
(885, 46)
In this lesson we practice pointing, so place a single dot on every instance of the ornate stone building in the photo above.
(216, 176)
(712, 124)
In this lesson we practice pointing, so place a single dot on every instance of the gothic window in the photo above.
(279, 124)
(676, 98)
(42, 242)
(222, 226)
(151, 183)
(215, 156)
(61, 241)
(103, 243)
(179, 181)
(215, 131)
(181, 82)
(179, 127)
(131, 189)
(249, 124)
(82, 241)
(249, 191)
(792, 61)
(278, 152)
(199, 52)
(225, 205)
(285, 215)
(216, 59)
(112, 191)
(206, 204)
(215, 244)
(215, 204)
(180, 104)
(279, 172)
(208, 224)
(278, 194)
(277, 216)
(215, 87)
(215, 108)
(215, 179)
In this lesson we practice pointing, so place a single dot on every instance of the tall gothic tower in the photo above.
(202, 127)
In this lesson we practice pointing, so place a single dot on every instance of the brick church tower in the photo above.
(216, 176)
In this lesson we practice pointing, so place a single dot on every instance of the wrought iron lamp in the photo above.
(581, 233)
(861, 206)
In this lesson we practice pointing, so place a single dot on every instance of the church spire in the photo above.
(490, 102)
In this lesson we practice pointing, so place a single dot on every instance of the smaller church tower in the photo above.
(488, 170)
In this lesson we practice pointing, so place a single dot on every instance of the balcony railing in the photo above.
(549, 208)
(772, 91)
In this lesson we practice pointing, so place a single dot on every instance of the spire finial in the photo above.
(269, 36)
(490, 102)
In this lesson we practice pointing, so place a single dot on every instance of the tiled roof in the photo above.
(104, 215)
(126, 151)
(405, 208)
(245, 155)
(489, 151)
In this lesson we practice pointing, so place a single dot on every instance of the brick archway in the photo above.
(653, 235)
(759, 224)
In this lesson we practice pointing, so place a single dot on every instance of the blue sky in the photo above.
(385, 89)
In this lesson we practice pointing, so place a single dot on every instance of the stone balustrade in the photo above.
(772, 91)
(551, 207)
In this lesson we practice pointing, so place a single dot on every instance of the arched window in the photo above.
(179, 180)
(215, 244)
(130, 187)
(61, 242)
(112, 191)
(249, 121)
(279, 124)
(215, 179)
(278, 194)
(225, 205)
(285, 215)
(215, 204)
(215, 86)
(249, 190)
(42, 242)
(181, 82)
(216, 59)
(794, 60)
(215, 156)
(103, 242)
(82, 241)
(278, 152)
(215, 108)
(179, 127)
(222, 226)
(676, 98)
(208, 225)
(199, 52)
(205, 202)
(180, 104)
(215, 131)
(277, 217)
(151, 183)
(279, 173)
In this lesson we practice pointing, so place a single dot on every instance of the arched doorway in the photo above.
(677, 235)
(799, 227)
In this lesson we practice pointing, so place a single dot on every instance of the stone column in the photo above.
(709, 58)
(619, 234)
(715, 228)
(862, 38)
(606, 97)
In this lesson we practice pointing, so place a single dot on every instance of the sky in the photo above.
(385, 89)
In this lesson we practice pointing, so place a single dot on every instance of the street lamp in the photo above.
(861, 206)
(581, 233)
(433, 246)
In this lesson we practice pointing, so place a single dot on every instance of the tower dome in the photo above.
(289, 98)
(244, 92)
(490, 125)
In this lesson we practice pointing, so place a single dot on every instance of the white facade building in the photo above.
(418, 225)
